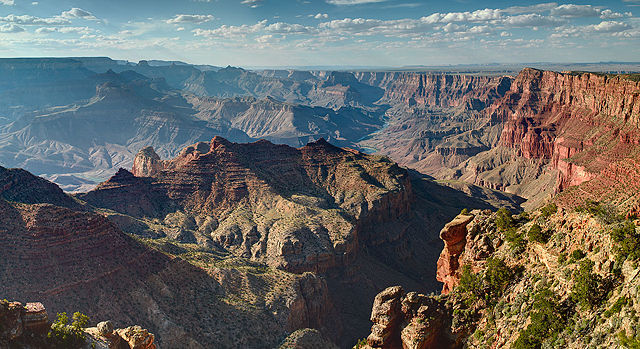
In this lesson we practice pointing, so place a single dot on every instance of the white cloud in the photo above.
(352, 2)
(532, 20)
(572, 10)
(514, 10)
(10, 28)
(251, 3)
(65, 30)
(475, 16)
(196, 19)
(286, 28)
(606, 27)
(31, 20)
(609, 27)
(320, 16)
(608, 14)
(231, 30)
(78, 13)
(7, 2)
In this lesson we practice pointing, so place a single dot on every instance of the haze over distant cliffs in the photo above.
(513, 132)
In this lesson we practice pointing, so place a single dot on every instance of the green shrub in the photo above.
(627, 240)
(577, 254)
(498, 276)
(464, 211)
(537, 235)
(515, 239)
(470, 287)
(504, 219)
(562, 257)
(361, 343)
(546, 321)
(586, 289)
(616, 307)
(607, 214)
(63, 335)
(548, 210)
(628, 342)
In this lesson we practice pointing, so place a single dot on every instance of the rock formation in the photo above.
(411, 321)
(213, 182)
(440, 90)
(307, 339)
(79, 260)
(454, 235)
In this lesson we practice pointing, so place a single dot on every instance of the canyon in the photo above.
(264, 238)
(219, 207)
(525, 134)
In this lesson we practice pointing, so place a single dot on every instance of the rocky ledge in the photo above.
(304, 209)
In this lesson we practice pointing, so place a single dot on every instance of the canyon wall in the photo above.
(438, 90)
(579, 122)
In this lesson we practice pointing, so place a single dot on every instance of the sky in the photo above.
(382, 33)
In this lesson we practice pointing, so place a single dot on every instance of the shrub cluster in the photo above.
(470, 287)
(546, 321)
(627, 240)
(504, 220)
(536, 234)
(577, 254)
(488, 286)
(497, 276)
(63, 335)
(607, 214)
(587, 290)
(548, 210)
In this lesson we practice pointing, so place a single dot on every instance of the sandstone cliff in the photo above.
(293, 196)
(356, 221)
(557, 277)
(80, 261)
(439, 90)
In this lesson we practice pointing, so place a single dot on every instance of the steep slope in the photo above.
(569, 127)
(285, 123)
(534, 135)
(438, 90)
(127, 111)
(437, 121)
(558, 278)
(79, 261)
(21, 186)
(359, 220)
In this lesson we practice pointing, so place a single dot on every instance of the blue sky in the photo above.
(324, 32)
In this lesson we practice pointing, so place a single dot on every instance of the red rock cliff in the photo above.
(556, 116)
(439, 90)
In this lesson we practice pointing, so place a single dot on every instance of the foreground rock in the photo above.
(454, 235)
(27, 327)
(307, 339)
(408, 320)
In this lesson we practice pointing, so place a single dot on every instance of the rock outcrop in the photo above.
(412, 321)
(454, 235)
(137, 337)
(307, 338)
(439, 90)
(213, 182)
